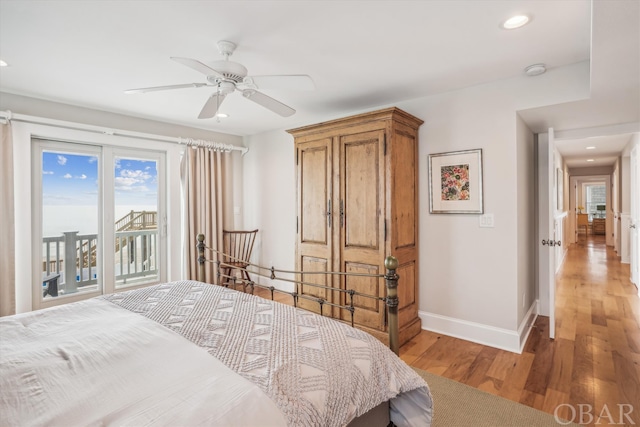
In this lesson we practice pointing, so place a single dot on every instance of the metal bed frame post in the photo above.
(391, 282)
(201, 258)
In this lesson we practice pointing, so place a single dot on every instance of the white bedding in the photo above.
(188, 354)
(93, 363)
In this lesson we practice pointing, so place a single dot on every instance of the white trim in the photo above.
(527, 323)
(504, 339)
(492, 336)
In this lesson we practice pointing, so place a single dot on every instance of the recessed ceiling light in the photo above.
(514, 22)
(591, 148)
(590, 160)
(3, 64)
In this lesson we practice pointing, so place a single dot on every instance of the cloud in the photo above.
(83, 176)
(47, 172)
(132, 181)
(93, 159)
(62, 160)
(67, 176)
(135, 174)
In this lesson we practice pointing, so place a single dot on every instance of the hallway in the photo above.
(594, 360)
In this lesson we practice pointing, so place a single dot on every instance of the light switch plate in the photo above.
(486, 221)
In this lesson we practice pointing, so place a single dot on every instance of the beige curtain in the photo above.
(202, 173)
(7, 225)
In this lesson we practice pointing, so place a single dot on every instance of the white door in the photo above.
(635, 216)
(546, 228)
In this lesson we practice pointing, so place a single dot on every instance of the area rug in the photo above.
(458, 405)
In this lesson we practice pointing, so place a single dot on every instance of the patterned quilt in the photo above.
(317, 371)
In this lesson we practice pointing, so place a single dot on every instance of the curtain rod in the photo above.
(8, 116)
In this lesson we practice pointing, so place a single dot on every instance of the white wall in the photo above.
(471, 278)
(269, 199)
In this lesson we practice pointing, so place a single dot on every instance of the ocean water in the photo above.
(83, 219)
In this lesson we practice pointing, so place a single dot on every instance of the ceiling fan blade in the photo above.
(155, 88)
(211, 106)
(268, 102)
(286, 82)
(198, 66)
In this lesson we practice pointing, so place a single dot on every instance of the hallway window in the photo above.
(596, 201)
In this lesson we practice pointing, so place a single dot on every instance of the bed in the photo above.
(189, 353)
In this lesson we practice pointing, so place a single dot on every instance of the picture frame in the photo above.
(455, 182)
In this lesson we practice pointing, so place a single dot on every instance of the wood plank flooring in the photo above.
(594, 360)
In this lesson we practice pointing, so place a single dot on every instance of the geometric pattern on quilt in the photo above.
(319, 372)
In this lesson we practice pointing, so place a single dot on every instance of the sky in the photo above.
(70, 190)
(72, 180)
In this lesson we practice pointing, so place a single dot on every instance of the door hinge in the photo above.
(297, 225)
(297, 155)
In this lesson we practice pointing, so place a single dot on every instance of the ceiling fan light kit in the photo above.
(228, 76)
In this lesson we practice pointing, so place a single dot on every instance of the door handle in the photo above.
(545, 242)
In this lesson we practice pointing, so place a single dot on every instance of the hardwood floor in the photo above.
(589, 374)
(594, 360)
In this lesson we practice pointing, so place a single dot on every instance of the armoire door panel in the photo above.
(403, 192)
(314, 193)
(407, 292)
(368, 311)
(314, 264)
(360, 198)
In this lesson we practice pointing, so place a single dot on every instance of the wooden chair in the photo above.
(237, 247)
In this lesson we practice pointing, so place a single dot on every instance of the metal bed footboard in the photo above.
(390, 278)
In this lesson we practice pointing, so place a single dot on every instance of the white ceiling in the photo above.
(604, 152)
(361, 54)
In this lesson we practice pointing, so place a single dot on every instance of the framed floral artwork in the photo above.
(455, 182)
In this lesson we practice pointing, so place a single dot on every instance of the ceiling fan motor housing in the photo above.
(231, 71)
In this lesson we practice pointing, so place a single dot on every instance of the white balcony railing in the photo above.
(135, 259)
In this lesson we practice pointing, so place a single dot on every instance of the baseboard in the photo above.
(527, 323)
(492, 336)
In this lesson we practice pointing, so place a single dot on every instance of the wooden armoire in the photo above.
(357, 202)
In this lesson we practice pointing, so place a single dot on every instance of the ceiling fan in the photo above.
(228, 76)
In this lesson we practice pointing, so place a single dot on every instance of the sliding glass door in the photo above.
(98, 214)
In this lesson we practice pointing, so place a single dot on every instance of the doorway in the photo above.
(566, 151)
(591, 200)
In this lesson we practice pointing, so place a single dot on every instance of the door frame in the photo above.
(545, 198)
